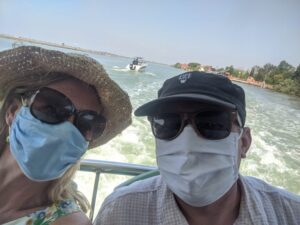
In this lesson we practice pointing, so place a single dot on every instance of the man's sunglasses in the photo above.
(212, 125)
(53, 107)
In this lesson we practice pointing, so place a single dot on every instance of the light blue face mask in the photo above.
(44, 151)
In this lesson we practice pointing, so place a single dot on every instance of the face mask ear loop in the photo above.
(239, 120)
(7, 138)
(237, 149)
(24, 101)
(238, 138)
(241, 133)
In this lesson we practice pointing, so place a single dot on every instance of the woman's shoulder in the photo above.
(65, 212)
(77, 218)
(55, 212)
(63, 207)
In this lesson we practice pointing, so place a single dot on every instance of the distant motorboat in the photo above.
(138, 64)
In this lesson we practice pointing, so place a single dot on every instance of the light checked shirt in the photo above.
(151, 202)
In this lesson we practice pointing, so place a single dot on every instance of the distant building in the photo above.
(184, 66)
(207, 69)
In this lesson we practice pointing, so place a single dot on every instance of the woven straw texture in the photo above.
(26, 61)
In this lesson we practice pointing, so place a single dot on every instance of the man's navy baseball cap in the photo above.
(201, 87)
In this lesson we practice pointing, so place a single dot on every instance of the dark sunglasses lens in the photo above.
(213, 125)
(90, 124)
(51, 106)
(165, 126)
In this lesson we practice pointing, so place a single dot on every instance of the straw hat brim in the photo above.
(26, 61)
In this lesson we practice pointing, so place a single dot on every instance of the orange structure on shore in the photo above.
(250, 80)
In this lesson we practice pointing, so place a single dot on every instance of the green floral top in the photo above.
(48, 215)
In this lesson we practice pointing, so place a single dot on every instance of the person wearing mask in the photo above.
(198, 121)
(54, 106)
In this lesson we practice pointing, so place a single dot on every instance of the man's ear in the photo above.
(246, 140)
(11, 112)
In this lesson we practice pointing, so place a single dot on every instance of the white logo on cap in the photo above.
(184, 77)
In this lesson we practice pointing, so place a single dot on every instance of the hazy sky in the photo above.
(242, 33)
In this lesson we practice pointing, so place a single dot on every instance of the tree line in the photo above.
(282, 78)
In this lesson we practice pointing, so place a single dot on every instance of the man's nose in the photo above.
(187, 119)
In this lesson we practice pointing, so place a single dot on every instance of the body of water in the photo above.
(274, 119)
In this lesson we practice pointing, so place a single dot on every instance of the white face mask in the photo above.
(197, 170)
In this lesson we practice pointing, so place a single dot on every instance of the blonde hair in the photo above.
(64, 187)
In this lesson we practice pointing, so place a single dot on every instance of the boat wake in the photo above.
(150, 74)
(116, 68)
(120, 69)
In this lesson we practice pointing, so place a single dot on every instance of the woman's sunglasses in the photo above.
(53, 107)
(212, 125)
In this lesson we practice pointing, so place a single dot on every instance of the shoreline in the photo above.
(16, 40)
(252, 82)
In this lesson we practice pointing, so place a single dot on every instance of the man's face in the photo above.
(222, 122)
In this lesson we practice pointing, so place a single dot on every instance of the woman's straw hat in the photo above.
(27, 61)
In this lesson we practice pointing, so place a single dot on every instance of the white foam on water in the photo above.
(120, 69)
(249, 164)
(151, 74)
(269, 158)
(130, 137)
(107, 152)
(269, 154)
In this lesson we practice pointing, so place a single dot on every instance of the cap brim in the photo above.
(152, 106)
